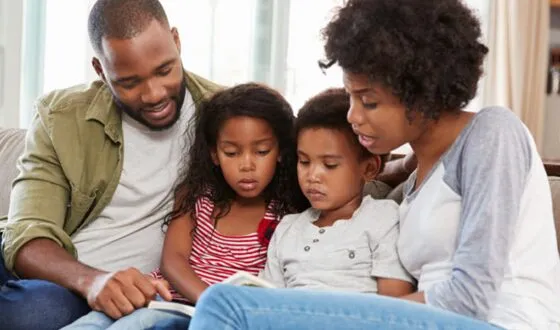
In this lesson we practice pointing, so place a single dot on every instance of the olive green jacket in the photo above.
(71, 165)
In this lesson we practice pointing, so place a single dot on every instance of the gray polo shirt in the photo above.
(347, 256)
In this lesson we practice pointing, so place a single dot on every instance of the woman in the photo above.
(476, 228)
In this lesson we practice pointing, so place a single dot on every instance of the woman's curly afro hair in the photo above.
(427, 52)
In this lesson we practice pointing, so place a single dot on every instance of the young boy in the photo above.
(344, 241)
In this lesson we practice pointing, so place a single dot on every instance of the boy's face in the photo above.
(330, 171)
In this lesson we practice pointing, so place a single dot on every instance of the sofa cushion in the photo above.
(555, 189)
(11, 147)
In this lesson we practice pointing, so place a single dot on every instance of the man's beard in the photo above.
(137, 115)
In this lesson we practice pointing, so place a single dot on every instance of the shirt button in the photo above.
(315, 240)
(322, 230)
(351, 255)
(307, 248)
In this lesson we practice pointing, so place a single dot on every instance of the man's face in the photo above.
(145, 75)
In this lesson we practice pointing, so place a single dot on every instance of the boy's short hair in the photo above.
(328, 109)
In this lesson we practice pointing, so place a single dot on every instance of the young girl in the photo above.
(345, 242)
(239, 181)
(476, 224)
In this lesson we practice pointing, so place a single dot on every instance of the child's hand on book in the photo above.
(163, 286)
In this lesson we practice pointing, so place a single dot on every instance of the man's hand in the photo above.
(120, 293)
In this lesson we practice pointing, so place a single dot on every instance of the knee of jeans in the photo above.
(146, 318)
(222, 299)
(216, 294)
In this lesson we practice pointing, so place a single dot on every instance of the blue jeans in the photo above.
(232, 307)
(141, 319)
(36, 304)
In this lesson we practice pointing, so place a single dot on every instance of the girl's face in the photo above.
(247, 152)
(378, 117)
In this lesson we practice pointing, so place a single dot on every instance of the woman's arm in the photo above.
(490, 175)
(398, 170)
(175, 265)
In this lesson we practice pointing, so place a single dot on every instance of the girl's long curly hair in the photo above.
(202, 178)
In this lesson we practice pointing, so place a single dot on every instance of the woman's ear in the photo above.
(370, 167)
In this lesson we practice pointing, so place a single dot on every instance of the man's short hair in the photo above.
(122, 19)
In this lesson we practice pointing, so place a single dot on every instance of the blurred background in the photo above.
(44, 46)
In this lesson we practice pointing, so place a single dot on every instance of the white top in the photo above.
(346, 256)
(479, 235)
(128, 232)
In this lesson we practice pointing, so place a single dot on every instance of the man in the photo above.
(96, 178)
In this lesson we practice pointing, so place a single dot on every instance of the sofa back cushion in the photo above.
(555, 188)
(11, 147)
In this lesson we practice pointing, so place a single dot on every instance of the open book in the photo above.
(240, 279)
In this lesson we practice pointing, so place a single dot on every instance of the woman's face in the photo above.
(377, 116)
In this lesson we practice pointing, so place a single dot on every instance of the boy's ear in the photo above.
(371, 166)
(214, 156)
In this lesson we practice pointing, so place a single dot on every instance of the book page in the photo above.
(247, 279)
(172, 307)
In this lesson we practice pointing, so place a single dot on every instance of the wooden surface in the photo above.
(555, 3)
(552, 168)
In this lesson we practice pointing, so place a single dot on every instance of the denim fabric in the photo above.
(36, 304)
(141, 319)
(227, 307)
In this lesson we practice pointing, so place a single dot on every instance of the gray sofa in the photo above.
(12, 144)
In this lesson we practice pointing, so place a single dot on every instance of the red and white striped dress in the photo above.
(215, 257)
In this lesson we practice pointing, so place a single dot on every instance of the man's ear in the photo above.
(370, 167)
(98, 68)
(176, 39)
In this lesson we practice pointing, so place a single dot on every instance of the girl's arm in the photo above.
(175, 265)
